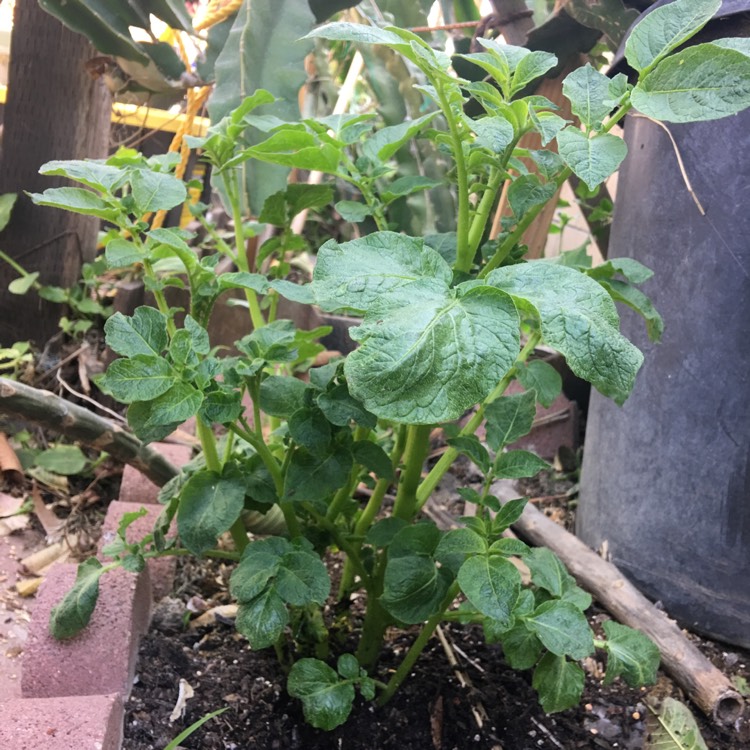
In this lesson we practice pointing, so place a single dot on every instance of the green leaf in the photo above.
(22, 284)
(198, 335)
(360, 33)
(509, 418)
(373, 458)
(221, 407)
(518, 464)
(263, 51)
(547, 124)
(521, 647)
(326, 699)
(356, 274)
(77, 200)
(259, 564)
(495, 133)
(530, 67)
(121, 253)
(209, 505)
(558, 682)
(413, 588)
(302, 579)
(541, 377)
(704, 82)
(415, 539)
(434, 355)
(592, 159)
(563, 629)
(458, 544)
(672, 726)
(508, 514)
(143, 333)
(382, 533)
(299, 149)
(341, 408)
(7, 201)
(179, 403)
(470, 446)
(578, 319)
(281, 395)
(739, 43)
(353, 211)
(634, 298)
(263, 619)
(156, 191)
(630, 655)
(407, 185)
(140, 415)
(74, 612)
(665, 29)
(527, 192)
(309, 428)
(348, 666)
(140, 378)
(314, 477)
(387, 141)
(588, 92)
(92, 173)
(631, 269)
(492, 584)
(62, 459)
(547, 571)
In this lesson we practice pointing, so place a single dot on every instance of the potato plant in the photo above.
(447, 323)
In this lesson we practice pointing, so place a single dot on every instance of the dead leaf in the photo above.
(185, 694)
(50, 522)
(13, 523)
(671, 726)
(29, 586)
(9, 505)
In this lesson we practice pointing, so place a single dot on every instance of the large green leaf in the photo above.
(326, 699)
(414, 588)
(492, 584)
(518, 464)
(74, 612)
(588, 92)
(704, 82)
(630, 655)
(563, 629)
(355, 275)
(314, 477)
(76, 200)
(384, 144)
(665, 29)
(579, 319)
(156, 191)
(434, 355)
(140, 378)
(558, 682)
(263, 619)
(302, 579)
(509, 418)
(145, 332)
(521, 647)
(263, 51)
(209, 505)
(592, 159)
(95, 174)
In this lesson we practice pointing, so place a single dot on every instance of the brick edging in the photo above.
(73, 691)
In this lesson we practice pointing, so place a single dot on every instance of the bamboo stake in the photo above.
(75, 422)
(706, 686)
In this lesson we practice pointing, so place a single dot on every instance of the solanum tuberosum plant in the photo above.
(447, 325)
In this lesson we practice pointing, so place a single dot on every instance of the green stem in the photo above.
(374, 626)
(208, 443)
(464, 256)
(417, 446)
(265, 455)
(219, 554)
(478, 224)
(161, 300)
(427, 487)
(12, 263)
(221, 245)
(417, 647)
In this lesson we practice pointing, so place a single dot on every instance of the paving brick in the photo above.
(161, 570)
(100, 659)
(136, 488)
(92, 722)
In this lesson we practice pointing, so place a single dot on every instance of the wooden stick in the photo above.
(75, 422)
(706, 686)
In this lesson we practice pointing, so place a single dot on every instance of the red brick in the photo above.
(93, 722)
(136, 488)
(100, 659)
(161, 570)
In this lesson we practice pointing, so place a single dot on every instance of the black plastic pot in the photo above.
(666, 478)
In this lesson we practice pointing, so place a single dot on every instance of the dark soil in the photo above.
(432, 711)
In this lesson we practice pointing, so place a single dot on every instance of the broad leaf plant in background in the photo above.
(447, 323)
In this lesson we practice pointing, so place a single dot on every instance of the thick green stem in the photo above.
(417, 446)
(417, 647)
(484, 209)
(265, 454)
(464, 255)
(376, 623)
(161, 300)
(431, 481)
